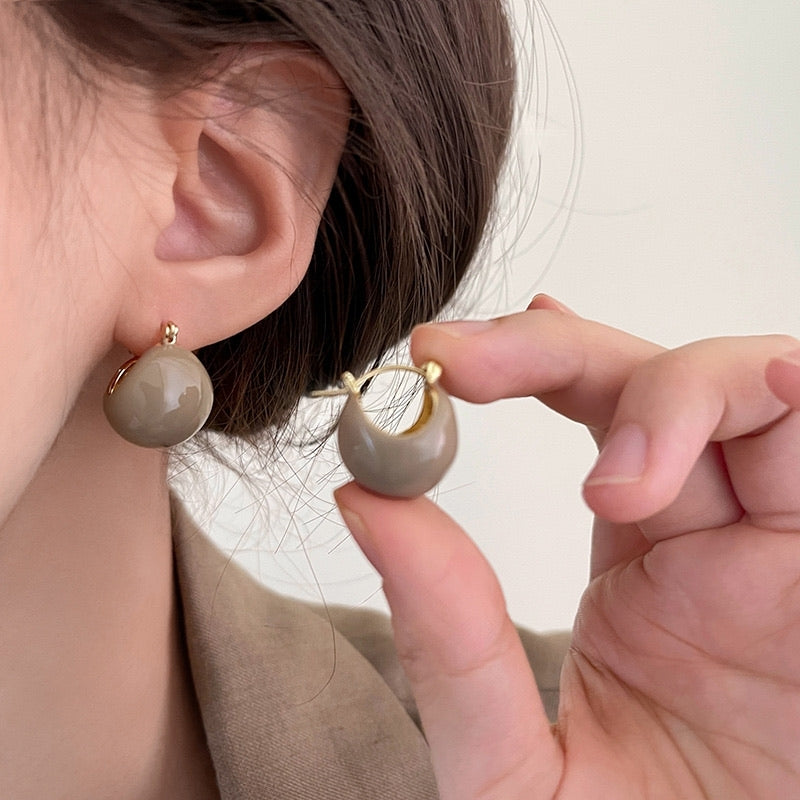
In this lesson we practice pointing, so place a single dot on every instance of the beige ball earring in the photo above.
(407, 464)
(161, 398)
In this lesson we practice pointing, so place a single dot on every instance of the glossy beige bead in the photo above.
(401, 465)
(161, 399)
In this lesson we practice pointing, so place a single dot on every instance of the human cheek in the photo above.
(37, 359)
(31, 403)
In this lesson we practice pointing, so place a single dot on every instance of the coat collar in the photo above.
(291, 709)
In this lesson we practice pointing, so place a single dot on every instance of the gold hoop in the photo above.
(430, 371)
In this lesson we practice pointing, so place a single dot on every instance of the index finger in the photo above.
(575, 366)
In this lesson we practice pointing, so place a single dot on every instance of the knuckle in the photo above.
(680, 368)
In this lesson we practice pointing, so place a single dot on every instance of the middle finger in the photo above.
(577, 367)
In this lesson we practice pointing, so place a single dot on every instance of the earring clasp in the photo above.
(431, 371)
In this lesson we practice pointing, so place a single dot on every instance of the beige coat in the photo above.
(300, 704)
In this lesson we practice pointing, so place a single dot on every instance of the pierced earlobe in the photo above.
(407, 464)
(161, 398)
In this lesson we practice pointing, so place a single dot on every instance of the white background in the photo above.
(685, 224)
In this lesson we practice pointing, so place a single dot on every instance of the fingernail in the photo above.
(542, 300)
(622, 459)
(463, 329)
(361, 534)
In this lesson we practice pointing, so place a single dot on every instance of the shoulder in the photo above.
(290, 706)
(206, 574)
(370, 632)
(282, 684)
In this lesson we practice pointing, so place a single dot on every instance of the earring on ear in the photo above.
(407, 464)
(160, 398)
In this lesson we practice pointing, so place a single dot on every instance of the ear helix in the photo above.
(161, 398)
(407, 464)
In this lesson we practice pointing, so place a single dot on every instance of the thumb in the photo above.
(476, 693)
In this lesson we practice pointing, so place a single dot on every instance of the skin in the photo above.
(682, 678)
(121, 211)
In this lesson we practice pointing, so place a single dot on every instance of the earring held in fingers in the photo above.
(406, 464)
(161, 398)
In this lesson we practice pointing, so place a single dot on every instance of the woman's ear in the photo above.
(254, 154)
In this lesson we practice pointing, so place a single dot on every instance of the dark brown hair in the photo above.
(432, 85)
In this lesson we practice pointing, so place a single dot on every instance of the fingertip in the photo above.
(545, 302)
(427, 344)
(348, 495)
(611, 502)
(356, 498)
(782, 375)
(437, 340)
(456, 346)
(350, 499)
(622, 458)
(463, 328)
(620, 504)
(386, 529)
(422, 336)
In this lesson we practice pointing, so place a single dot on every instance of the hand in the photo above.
(683, 679)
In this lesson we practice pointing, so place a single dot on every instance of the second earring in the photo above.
(407, 464)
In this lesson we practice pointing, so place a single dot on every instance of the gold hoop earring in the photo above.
(161, 398)
(407, 464)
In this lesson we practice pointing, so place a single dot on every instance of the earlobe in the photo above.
(256, 153)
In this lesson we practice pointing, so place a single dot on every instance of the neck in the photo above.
(95, 694)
